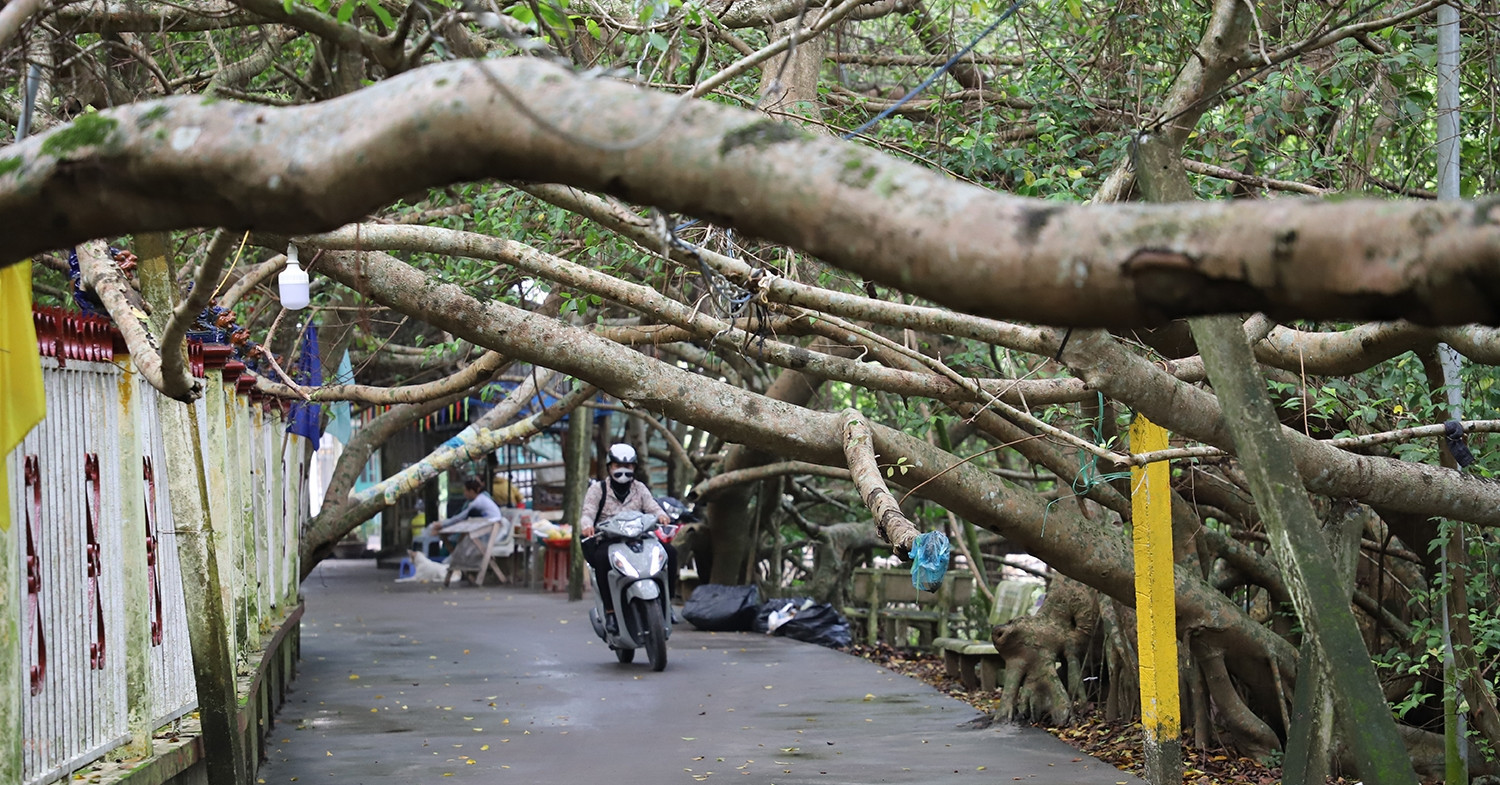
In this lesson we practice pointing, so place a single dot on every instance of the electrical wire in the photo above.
(942, 69)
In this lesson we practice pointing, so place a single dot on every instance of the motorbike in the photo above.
(638, 587)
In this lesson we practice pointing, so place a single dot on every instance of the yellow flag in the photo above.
(22, 403)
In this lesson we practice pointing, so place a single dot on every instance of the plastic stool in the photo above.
(559, 562)
(406, 569)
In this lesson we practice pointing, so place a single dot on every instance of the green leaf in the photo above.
(522, 14)
(380, 13)
(657, 41)
(287, 5)
(346, 11)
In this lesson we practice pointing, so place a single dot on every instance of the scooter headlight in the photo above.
(658, 559)
(618, 560)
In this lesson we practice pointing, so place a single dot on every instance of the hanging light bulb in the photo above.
(293, 281)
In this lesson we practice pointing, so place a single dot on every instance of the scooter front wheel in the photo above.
(625, 656)
(656, 634)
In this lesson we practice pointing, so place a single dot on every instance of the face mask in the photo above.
(622, 476)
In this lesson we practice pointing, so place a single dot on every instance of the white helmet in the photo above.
(622, 454)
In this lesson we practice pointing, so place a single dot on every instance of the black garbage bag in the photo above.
(810, 622)
(820, 624)
(763, 618)
(717, 608)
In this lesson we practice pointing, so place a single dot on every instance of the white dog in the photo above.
(425, 570)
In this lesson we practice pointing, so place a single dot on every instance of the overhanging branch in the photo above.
(859, 450)
(105, 279)
(180, 162)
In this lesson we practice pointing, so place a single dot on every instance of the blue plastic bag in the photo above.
(929, 560)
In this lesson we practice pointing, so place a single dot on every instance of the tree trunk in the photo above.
(577, 445)
(730, 515)
(1033, 647)
(1322, 604)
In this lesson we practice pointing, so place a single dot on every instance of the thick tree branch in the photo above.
(937, 41)
(474, 443)
(335, 520)
(1225, 173)
(823, 22)
(715, 485)
(234, 75)
(14, 14)
(859, 450)
(726, 336)
(1196, 88)
(482, 369)
(1092, 551)
(384, 51)
(1362, 347)
(101, 275)
(252, 278)
(1192, 412)
(178, 162)
(1322, 603)
(101, 15)
(187, 311)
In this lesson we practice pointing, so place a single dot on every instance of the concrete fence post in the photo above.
(136, 574)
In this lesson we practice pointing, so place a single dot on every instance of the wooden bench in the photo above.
(890, 608)
(976, 664)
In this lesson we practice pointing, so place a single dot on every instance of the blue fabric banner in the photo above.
(307, 418)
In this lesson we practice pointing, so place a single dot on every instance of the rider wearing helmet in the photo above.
(620, 492)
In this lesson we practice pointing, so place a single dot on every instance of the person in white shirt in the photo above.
(479, 505)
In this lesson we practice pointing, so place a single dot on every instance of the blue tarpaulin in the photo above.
(338, 416)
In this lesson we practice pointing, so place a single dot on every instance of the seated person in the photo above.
(479, 505)
(506, 491)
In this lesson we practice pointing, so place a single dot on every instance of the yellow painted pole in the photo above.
(1155, 606)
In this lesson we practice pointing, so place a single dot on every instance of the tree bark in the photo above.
(177, 162)
(1089, 551)
(1321, 603)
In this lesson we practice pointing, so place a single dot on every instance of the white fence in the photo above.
(89, 491)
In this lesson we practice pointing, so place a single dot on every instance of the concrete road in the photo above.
(413, 684)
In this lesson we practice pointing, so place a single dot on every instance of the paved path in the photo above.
(411, 684)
